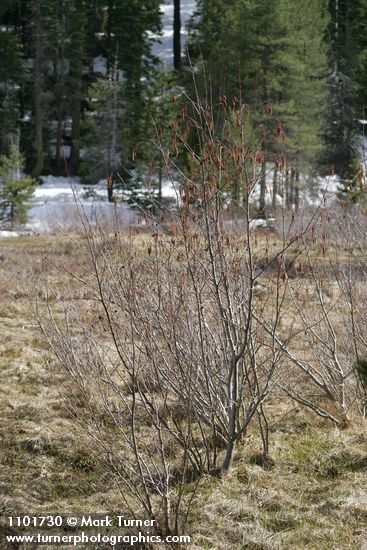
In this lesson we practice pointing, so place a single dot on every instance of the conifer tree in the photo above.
(273, 56)
(10, 79)
(103, 135)
(15, 189)
(341, 127)
(38, 84)
(131, 25)
(76, 59)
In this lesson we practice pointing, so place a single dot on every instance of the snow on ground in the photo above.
(5, 233)
(63, 203)
(60, 203)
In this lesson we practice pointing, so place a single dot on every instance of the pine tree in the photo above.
(347, 87)
(75, 92)
(15, 190)
(58, 41)
(59, 50)
(38, 88)
(10, 79)
(360, 40)
(341, 126)
(302, 105)
(163, 105)
(103, 135)
(272, 56)
(131, 25)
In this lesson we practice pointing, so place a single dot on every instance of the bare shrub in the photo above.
(329, 305)
(189, 329)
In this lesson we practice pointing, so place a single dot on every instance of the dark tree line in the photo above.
(57, 55)
(79, 81)
(304, 59)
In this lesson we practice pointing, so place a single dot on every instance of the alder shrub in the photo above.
(190, 326)
(326, 339)
(348, 264)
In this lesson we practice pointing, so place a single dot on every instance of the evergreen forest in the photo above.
(83, 94)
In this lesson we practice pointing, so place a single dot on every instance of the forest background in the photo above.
(83, 94)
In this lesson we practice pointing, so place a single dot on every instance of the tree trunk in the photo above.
(110, 7)
(232, 396)
(112, 137)
(160, 170)
(231, 448)
(291, 185)
(110, 188)
(262, 190)
(76, 78)
(177, 35)
(266, 53)
(38, 100)
(296, 192)
(287, 187)
(60, 64)
(275, 189)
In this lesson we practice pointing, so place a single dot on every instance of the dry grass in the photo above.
(314, 496)
(311, 496)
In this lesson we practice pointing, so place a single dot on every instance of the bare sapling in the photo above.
(328, 308)
(180, 341)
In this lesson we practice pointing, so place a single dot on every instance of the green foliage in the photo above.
(10, 76)
(15, 190)
(354, 182)
(307, 58)
(347, 82)
(59, 40)
(130, 23)
(164, 101)
(147, 165)
(103, 135)
(272, 51)
(361, 367)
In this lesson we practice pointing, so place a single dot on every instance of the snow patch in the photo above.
(62, 203)
(5, 233)
(100, 65)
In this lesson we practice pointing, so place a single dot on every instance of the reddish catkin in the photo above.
(279, 134)
(280, 163)
(268, 108)
(259, 158)
(174, 145)
(186, 133)
(324, 244)
(223, 102)
(313, 234)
